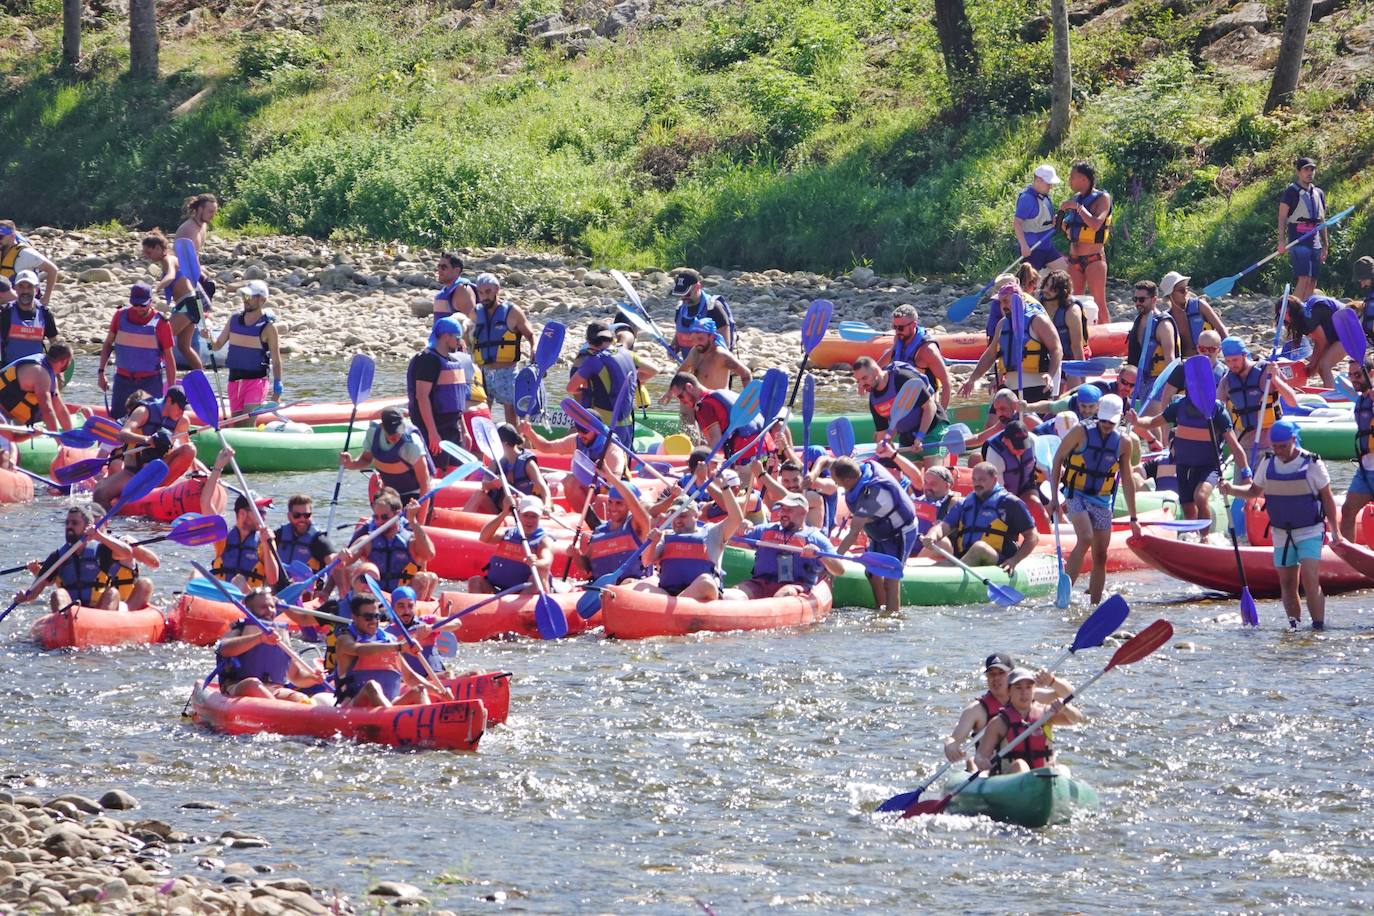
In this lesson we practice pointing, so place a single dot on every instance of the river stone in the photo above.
(114, 889)
(65, 808)
(138, 875)
(96, 275)
(118, 800)
(64, 841)
(394, 889)
(83, 803)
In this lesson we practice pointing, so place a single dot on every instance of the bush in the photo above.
(786, 104)
(262, 54)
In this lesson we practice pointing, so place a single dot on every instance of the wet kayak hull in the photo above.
(628, 613)
(88, 627)
(1213, 566)
(1035, 799)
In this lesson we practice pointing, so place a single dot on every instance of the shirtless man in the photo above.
(29, 390)
(200, 211)
(709, 360)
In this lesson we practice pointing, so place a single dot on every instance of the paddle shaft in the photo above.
(252, 503)
(581, 520)
(228, 596)
(794, 548)
(338, 477)
(964, 566)
(1246, 601)
(1269, 375)
(360, 542)
(481, 604)
(734, 459)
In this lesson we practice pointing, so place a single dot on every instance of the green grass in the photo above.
(770, 133)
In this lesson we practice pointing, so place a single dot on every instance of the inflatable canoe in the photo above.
(1104, 339)
(509, 615)
(1035, 799)
(261, 451)
(166, 503)
(201, 621)
(1214, 566)
(88, 627)
(461, 554)
(629, 613)
(492, 688)
(15, 487)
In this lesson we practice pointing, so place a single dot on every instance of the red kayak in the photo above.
(87, 627)
(460, 554)
(509, 615)
(1214, 566)
(492, 688)
(1103, 339)
(629, 613)
(1357, 557)
(169, 502)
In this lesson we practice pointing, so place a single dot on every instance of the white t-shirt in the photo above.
(1317, 477)
(29, 259)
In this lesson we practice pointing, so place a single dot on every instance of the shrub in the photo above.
(262, 54)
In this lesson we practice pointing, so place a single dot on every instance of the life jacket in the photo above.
(1243, 395)
(81, 574)
(508, 565)
(494, 341)
(906, 352)
(247, 350)
(443, 299)
(612, 545)
(156, 419)
(751, 506)
(381, 667)
(136, 350)
(1309, 213)
(448, 396)
(1060, 318)
(395, 471)
(436, 663)
(863, 500)
(26, 333)
(1288, 495)
(1364, 419)
(1018, 473)
(518, 471)
(777, 566)
(293, 547)
(19, 405)
(714, 410)
(1092, 467)
(1367, 315)
(1043, 221)
(1078, 231)
(686, 315)
(991, 705)
(615, 369)
(1192, 310)
(1035, 359)
(8, 258)
(121, 577)
(391, 553)
(984, 520)
(1036, 750)
(268, 663)
(684, 557)
(936, 510)
(236, 555)
(1193, 436)
(1137, 345)
(881, 400)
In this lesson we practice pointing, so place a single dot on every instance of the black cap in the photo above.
(998, 660)
(1305, 163)
(685, 280)
(1364, 268)
(391, 419)
(597, 332)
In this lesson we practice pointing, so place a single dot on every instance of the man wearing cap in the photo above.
(25, 324)
(695, 303)
(245, 556)
(29, 391)
(400, 554)
(1242, 388)
(457, 294)
(498, 326)
(611, 544)
(1296, 487)
(141, 342)
(1302, 208)
(1192, 315)
(783, 574)
(518, 545)
(988, 527)
(253, 350)
(17, 256)
(976, 715)
(1013, 719)
(689, 555)
(924, 421)
(819, 490)
(880, 508)
(1092, 460)
(602, 376)
(916, 346)
(709, 360)
(1036, 376)
(437, 380)
(604, 452)
(153, 428)
(395, 449)
(1034, 222)
(1199, 465)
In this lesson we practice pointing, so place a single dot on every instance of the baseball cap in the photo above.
(1304, 163)
(615, 491)
(140, 294)
(597, 331)
(1000, 660)
(1283, 431)
(255, 288)
(1064, 421)
(1364, 268)
(403, 592)
(26, 276)
(1047, 174)
(391, 419)
(1020, 674)
(728, 478)
(1170, 280)
(684, 281)
(1088, 394)
(530, 504)
(1234, 346)
(796, 500)
(1109, 409)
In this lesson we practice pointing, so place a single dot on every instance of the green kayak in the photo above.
(666, 423)
(1332, 439)
(1033, 799)
(259, 451)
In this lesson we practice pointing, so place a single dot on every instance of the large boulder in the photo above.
(621, 16)
(1244, 54)
(1251, 15)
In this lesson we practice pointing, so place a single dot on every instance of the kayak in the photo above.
(1120, 556)
(455, 725)
(1214, 566)
(460, 520)
(459, 555)
(1104, 340)
(1357, 557)
(1035, 799)
(261, 451)
(629, 613)
(87, 627)
(1259, 533)
(1331, 437)
(15, 487)
(492, 688)
(201, 621)
(509, 615)
(165, 504)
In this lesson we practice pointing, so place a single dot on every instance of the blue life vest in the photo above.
(777, 566)
(616, 364)
(391, 553)
(907, 353)
(443, 299)
(984, 520)
(247, 350)
(1018, 474)
(1367, 315)
(81, 574)
(1060, 319)
(156, 419)
(518, 472)
(863, 500)
(1364, 419)
(380, 667)
(395, 471)
(684, 557)
(269, 664)
(136, 350)
(686, 315)
(238, 555)
(436, 662)
(1091, 469)
(1193, 446)
(1288, 496)
(612, 545)
(26, 333)
(295, 548)
(508, 565)
(1192, 310)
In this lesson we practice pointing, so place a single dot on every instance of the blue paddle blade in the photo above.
(200, 587)
(188, 259)
(584, 469)
(77, 438)
(297, 570)
(583, 418)
(1345, 389)
(840, 435)
(102, 429)
(858, 331)
(1083, 367)
(460, 473)
(773, 393)
(808, 398)
(1046, 447)
(1201, 384)
(488, 439)
(905, 402)
(1350, 332)
(901, 802)
(746, 405)
(361, 370)
(882, 565)
(953, 442)
(458, 453)
(550, 345)
(1221, 287)
(549, 618)
(446, 644)
(78, 471)
(589, 604)
(1004, 595)
(1249, 614)
(963, 307)
(141, 484)
(816, 323)
(1103, 622)
(526, 391)
(201, 396)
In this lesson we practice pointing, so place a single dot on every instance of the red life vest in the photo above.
(1035, 750)
(991, 705)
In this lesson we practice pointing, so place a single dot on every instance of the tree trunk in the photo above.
(1289, 67)
(1061, 95)
(71, 34)
(956, 43)
(143, 39)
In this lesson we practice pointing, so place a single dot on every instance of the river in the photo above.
(740, 773)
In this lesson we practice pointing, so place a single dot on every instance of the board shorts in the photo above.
(1098, 514)
(1043, 256)
(720, 586)
(1190, 477)
(246, 393)
(190, 307)
(900, 547)
(121, 386)
(500, 385)
(1306, 260)
(1290, 552)
(1363, 481)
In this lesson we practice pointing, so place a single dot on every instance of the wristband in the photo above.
(1134, 519)
(1246, 474)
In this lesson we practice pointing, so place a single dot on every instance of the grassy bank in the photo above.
(778, 133)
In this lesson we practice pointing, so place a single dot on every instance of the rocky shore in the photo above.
(334, 298)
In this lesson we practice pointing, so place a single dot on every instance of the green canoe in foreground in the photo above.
(1033, 799)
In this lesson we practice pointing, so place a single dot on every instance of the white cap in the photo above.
(729, 478)
(530, 504)
(1047, 174)
(1171, 279)
(255, 288)
(1109, 408)
(26, 276)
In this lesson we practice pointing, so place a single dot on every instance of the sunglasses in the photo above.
(302, 514)
(901, 327)
(382, 518)
(1141, 298)
(369, 616)
(1209, 349)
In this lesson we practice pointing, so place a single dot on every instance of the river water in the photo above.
(740, 773)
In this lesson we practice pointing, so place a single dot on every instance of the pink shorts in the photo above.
(246, 393)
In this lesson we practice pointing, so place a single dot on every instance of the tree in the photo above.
(1061, 93)
(71, 34)
(1289, 67)
(956, 44)
(143, 39)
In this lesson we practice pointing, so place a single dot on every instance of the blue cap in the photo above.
(1088, 394)
(401, 592)
(140, 294)
(1234, 346)
(1283, 431)
(446, 325)
(814, 453)
(615, 491)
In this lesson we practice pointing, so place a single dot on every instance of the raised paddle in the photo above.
(584, 470)
(963, 307)
(808, 413)
(1101, 623)
(840, 435)
(642, 326)
(139, 486)
(860, 332)
(548, 616)
(1079, 367)
(361, 370)
(640, 312)
(742, 413)
(1001, 595)
(1202, 392)
(233, 598)
(198, 587)
(192, 531)
(375, 587)
(1134, 649)
(78, 471)
(878, 564)
(1018, 340)
(815, 323)
(953, 442)
(527, 392)
(1226, 284)
(1046, 447)
(1269, 375)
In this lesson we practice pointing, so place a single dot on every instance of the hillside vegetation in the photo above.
(760, 133)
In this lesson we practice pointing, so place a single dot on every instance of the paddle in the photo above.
(953, 442)
(73, 438)
(1046, 447)
(814, 325)
(905, 401)
(742, 413)
(642, 326)
(585, 419)
(375, 587)
(1268, 376)
(1226, 284)
(1101, 623)
(808, 413)
(645, 321)
(878, 564)
(1133, 650)
(527, 392)
(963, 307)
(1350, 332)
(1202, 392)
(360, 373)
(139, 486)
(510, 589)
(1160, 381)
(78, 471)
(548, 616)
(233, 598)
(1343, 388)
(840, 435)
(192, 531)
(1002, 595)
(584, 470)
(772, 393)
(860, 332)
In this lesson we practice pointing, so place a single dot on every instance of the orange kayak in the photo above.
(15, 487)
(455, 725)
(461, 554)
(87, 627)
(168, 502)
(1103, 339)
(510, 615)
(1214, 566)
(631, 614)
(201, 621)
(492, 688)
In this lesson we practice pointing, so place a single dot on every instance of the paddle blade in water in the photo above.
(584, 469)
(840, 435)
(1142, 643)
(487, 438)
(201, 397)
(1202, 385)
(589, 603)
(1101, 623)
(549, 618)
(930, 806)
(882, 565)
(78, 471)
(1004, 595)
(361, 370)
(816, 323)
(526, 391)
(550, 345)
(199, 530)
(1249, 614)
(900, 802)
(103, 429)
(1350, 332)
(1063, 587)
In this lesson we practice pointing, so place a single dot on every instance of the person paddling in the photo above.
(881, 509)
(140, 341)
(252, 662)
(689, 556)
(988, 527)
(153, 428)
(29, 392)
(607, 547)
(421, 629)
(368, 669)
(779, 574)
(976, 715)
(510, 564)
(96, 574)
(401, 553)
(245, 556)
(1013, 719)
(254, 349)
(917, 346)
(1296, 487)
(394, 448)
